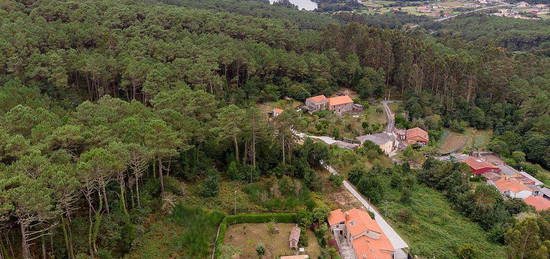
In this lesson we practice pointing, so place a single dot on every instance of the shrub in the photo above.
(467, 251)
(260, 250)
(336, 180)
(405, 215)
(172, 185)
(210, 186)
(406, 196)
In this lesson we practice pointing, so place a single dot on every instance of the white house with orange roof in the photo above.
(276, 112)
(359, 236)
(512, 188)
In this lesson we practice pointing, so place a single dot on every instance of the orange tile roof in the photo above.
(538, 202)
(335, 217)
(476, 163)
(417, 132)
(338, 100)
(358, 221)
(510, 185)
(277, 110)
(370, 248)
(317, 99)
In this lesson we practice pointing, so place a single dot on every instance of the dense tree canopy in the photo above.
(103, 103)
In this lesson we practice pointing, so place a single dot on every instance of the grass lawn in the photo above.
(456, 142)
(246, 237)
(453, 142)
(435, 229)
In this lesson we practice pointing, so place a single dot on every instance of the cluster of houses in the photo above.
(433, 10)
(511, 182)
(523, 8)
(358, 236)
(399, 138)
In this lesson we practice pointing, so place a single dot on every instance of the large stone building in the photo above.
(338, 104)
(316, 103)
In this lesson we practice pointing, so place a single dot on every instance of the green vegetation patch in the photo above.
(187, 232)
(433, 228)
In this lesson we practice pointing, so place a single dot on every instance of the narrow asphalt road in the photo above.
(389, 115)
(473, 11)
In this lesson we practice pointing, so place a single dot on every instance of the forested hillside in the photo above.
(104, 104)
(510, 33)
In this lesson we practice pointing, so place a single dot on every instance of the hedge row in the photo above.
(251, 218)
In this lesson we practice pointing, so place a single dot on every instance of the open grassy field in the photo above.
(246, 237)
(435, 230)
(456, 142)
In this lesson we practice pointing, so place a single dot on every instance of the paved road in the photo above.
(397, 242)
(473, 11)
(389, 115)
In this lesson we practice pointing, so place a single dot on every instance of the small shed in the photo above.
(294, 237)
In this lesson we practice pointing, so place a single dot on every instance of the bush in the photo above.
(467, 251)
(336, 180)
(210, 186)
(174, 186)
(406, 196)
(260, 250)
(405, 215)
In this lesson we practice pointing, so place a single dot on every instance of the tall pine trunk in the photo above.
(160, 176)
(25, 251)
(236, 148)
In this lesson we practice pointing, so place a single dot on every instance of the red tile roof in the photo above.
(370, 242)
(417, 133)
(277, 110)
(538, 202)
(358, 221)
(370, 248)
(317, 99)
(335, 217)
(476, 163)
(338, 100)
(510, 185)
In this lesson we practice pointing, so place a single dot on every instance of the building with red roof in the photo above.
(355, 229)
(413, 136)
(479, 166)
(317, 103)
(340, 104)
(276, 112)
(540, 203)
